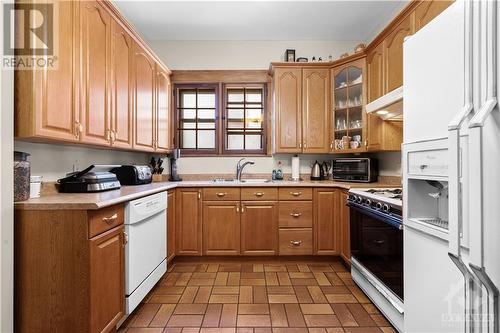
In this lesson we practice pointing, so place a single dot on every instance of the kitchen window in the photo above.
(244, 130)
(236, 128)
(197, 115)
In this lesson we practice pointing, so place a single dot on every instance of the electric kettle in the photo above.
(316, 171)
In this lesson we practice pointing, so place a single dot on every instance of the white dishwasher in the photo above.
(145, 252)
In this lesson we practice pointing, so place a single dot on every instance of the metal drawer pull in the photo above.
(295, 194)
(295, 214)
(423, 166)
(221, 194)
(296, 243)
(259, 194)
(110, 219)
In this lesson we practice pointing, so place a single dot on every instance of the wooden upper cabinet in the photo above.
(46, 100)
(259, 228)
(163, 93)
(393, 52)
(374, 67)
(107, 280)
(221, 228)
(316, 92)
(428, 10)
(95, 25)
(121, 94)
(288, 109)
(144, 100)
(188, 221)
(326, 222)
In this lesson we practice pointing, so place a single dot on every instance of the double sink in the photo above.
(236, 181)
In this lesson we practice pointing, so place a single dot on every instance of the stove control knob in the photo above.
(386, 208)
(359, 199)
(378, 205)
(368, 202)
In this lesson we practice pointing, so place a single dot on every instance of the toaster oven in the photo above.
(363, 170)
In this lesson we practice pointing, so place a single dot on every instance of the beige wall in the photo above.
(241, 54)
(6, 195)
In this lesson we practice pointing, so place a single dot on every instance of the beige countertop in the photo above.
(52, 200)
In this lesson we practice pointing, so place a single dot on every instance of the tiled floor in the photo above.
(257, 297)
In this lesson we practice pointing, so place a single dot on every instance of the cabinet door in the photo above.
(144, 96)
(107, 275)
(259, 228)
(345, 249)
(171, 225)
(221, 228)
(188, 222)
(374, 67)
(428, 10)
(95, 28)
(316, 92)
(326, 222)
(393, 54)
(163, 92)
(288, 109)
(52, 110)
(121, 95)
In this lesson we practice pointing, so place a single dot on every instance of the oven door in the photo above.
(377, 244)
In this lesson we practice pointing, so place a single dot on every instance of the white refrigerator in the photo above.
(451, 172)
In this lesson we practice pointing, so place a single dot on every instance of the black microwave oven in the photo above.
(363, 170)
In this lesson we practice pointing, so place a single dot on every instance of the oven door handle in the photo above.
(392, 221)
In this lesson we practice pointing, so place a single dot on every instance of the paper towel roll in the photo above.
(295, 168)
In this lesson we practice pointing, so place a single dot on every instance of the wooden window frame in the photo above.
(244, 86)
(220, 119)
(201, 151)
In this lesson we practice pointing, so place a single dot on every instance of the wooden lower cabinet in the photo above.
(296, 241)
(66, 278)
(345, 244)
(171, 225)
(221, 228)
(107, 280)
(188, 225)
(259, 228)
(327, 221)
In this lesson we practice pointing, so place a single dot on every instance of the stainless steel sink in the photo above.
(233, 181)
(255, 181)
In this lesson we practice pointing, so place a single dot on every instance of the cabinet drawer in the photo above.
(221, 193)
(295, 193)
(296, 241)
(105, 219)
(428, 162)
(259, 193)
(295, 214)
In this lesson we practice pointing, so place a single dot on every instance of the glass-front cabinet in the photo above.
(348, 130)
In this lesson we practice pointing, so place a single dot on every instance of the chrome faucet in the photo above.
(240, 167)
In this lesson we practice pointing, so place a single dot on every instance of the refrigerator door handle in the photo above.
(487, 70)
(494, 322)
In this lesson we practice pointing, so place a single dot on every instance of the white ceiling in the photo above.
(260, 20)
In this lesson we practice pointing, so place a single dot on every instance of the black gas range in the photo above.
(376, 234)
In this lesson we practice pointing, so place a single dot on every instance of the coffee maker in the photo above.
(174, 155)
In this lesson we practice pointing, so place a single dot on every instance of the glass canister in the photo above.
(22, 172)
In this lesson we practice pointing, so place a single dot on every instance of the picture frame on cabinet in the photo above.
(290, 55)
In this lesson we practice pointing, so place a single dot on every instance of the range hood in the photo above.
(388, 107)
